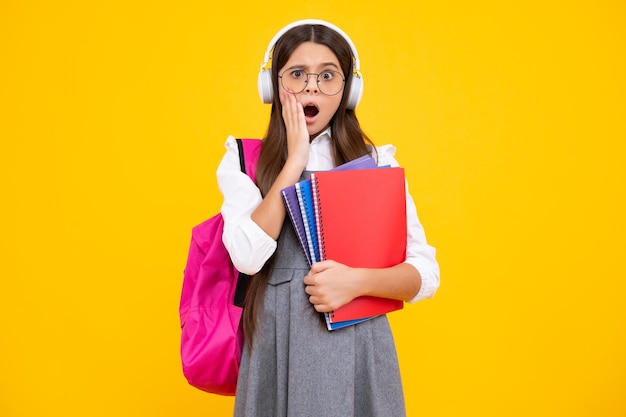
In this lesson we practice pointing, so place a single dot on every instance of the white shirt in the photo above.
(250, 247)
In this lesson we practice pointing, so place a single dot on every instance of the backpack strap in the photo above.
(249, 151)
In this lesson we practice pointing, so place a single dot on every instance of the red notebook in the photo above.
(361, 222)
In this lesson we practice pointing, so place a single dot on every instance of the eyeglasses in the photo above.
(295, 81)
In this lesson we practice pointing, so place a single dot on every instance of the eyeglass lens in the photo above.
(329, 82)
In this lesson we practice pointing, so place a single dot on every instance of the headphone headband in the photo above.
(303, 22)
(265, 78)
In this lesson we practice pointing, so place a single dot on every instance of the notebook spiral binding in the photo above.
(318, 217)
(321, 242)
(309, 221)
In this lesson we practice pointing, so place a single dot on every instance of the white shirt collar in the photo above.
(322, 137)
(320, 154)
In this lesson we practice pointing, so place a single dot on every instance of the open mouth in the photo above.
(311, 111)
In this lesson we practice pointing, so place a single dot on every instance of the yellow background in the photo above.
(509, 119)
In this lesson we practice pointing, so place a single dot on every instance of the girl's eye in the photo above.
(327, 75)
(297, 73)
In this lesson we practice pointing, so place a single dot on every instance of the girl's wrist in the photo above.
(361, 282)
(293, 168)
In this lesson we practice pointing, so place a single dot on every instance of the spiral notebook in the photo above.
(361, 222)
(290, 198)
(299, 216)
(305, 202)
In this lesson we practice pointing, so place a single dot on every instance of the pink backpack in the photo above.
(212, 299)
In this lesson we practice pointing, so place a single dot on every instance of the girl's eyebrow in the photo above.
(330, 64)
(323, 64)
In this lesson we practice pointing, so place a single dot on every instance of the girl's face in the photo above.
(314, 58)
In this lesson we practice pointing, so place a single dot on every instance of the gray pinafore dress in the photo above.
(297, 368)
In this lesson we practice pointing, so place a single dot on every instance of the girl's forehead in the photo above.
(312, 54)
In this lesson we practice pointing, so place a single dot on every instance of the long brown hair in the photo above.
(348, 139)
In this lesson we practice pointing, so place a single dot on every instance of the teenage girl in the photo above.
(292, 365)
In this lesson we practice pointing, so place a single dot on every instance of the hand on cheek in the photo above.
(295, 125)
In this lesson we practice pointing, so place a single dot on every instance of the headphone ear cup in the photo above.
(265, 86)
(355, 93)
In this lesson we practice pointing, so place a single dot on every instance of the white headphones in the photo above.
(265, 76)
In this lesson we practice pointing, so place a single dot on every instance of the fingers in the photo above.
(293, 113)
(296, 128)
(313, 291)
(330, 285)
(318, 292)
(320, 308)
(319, 302)
(321, 266)
(316, 268)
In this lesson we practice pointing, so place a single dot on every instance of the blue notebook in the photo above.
(341, 324)
(305, 201)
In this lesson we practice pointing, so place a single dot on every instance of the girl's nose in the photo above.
(311, 85)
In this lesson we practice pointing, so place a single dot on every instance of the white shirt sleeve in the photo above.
(248, 245)
(418, 252)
